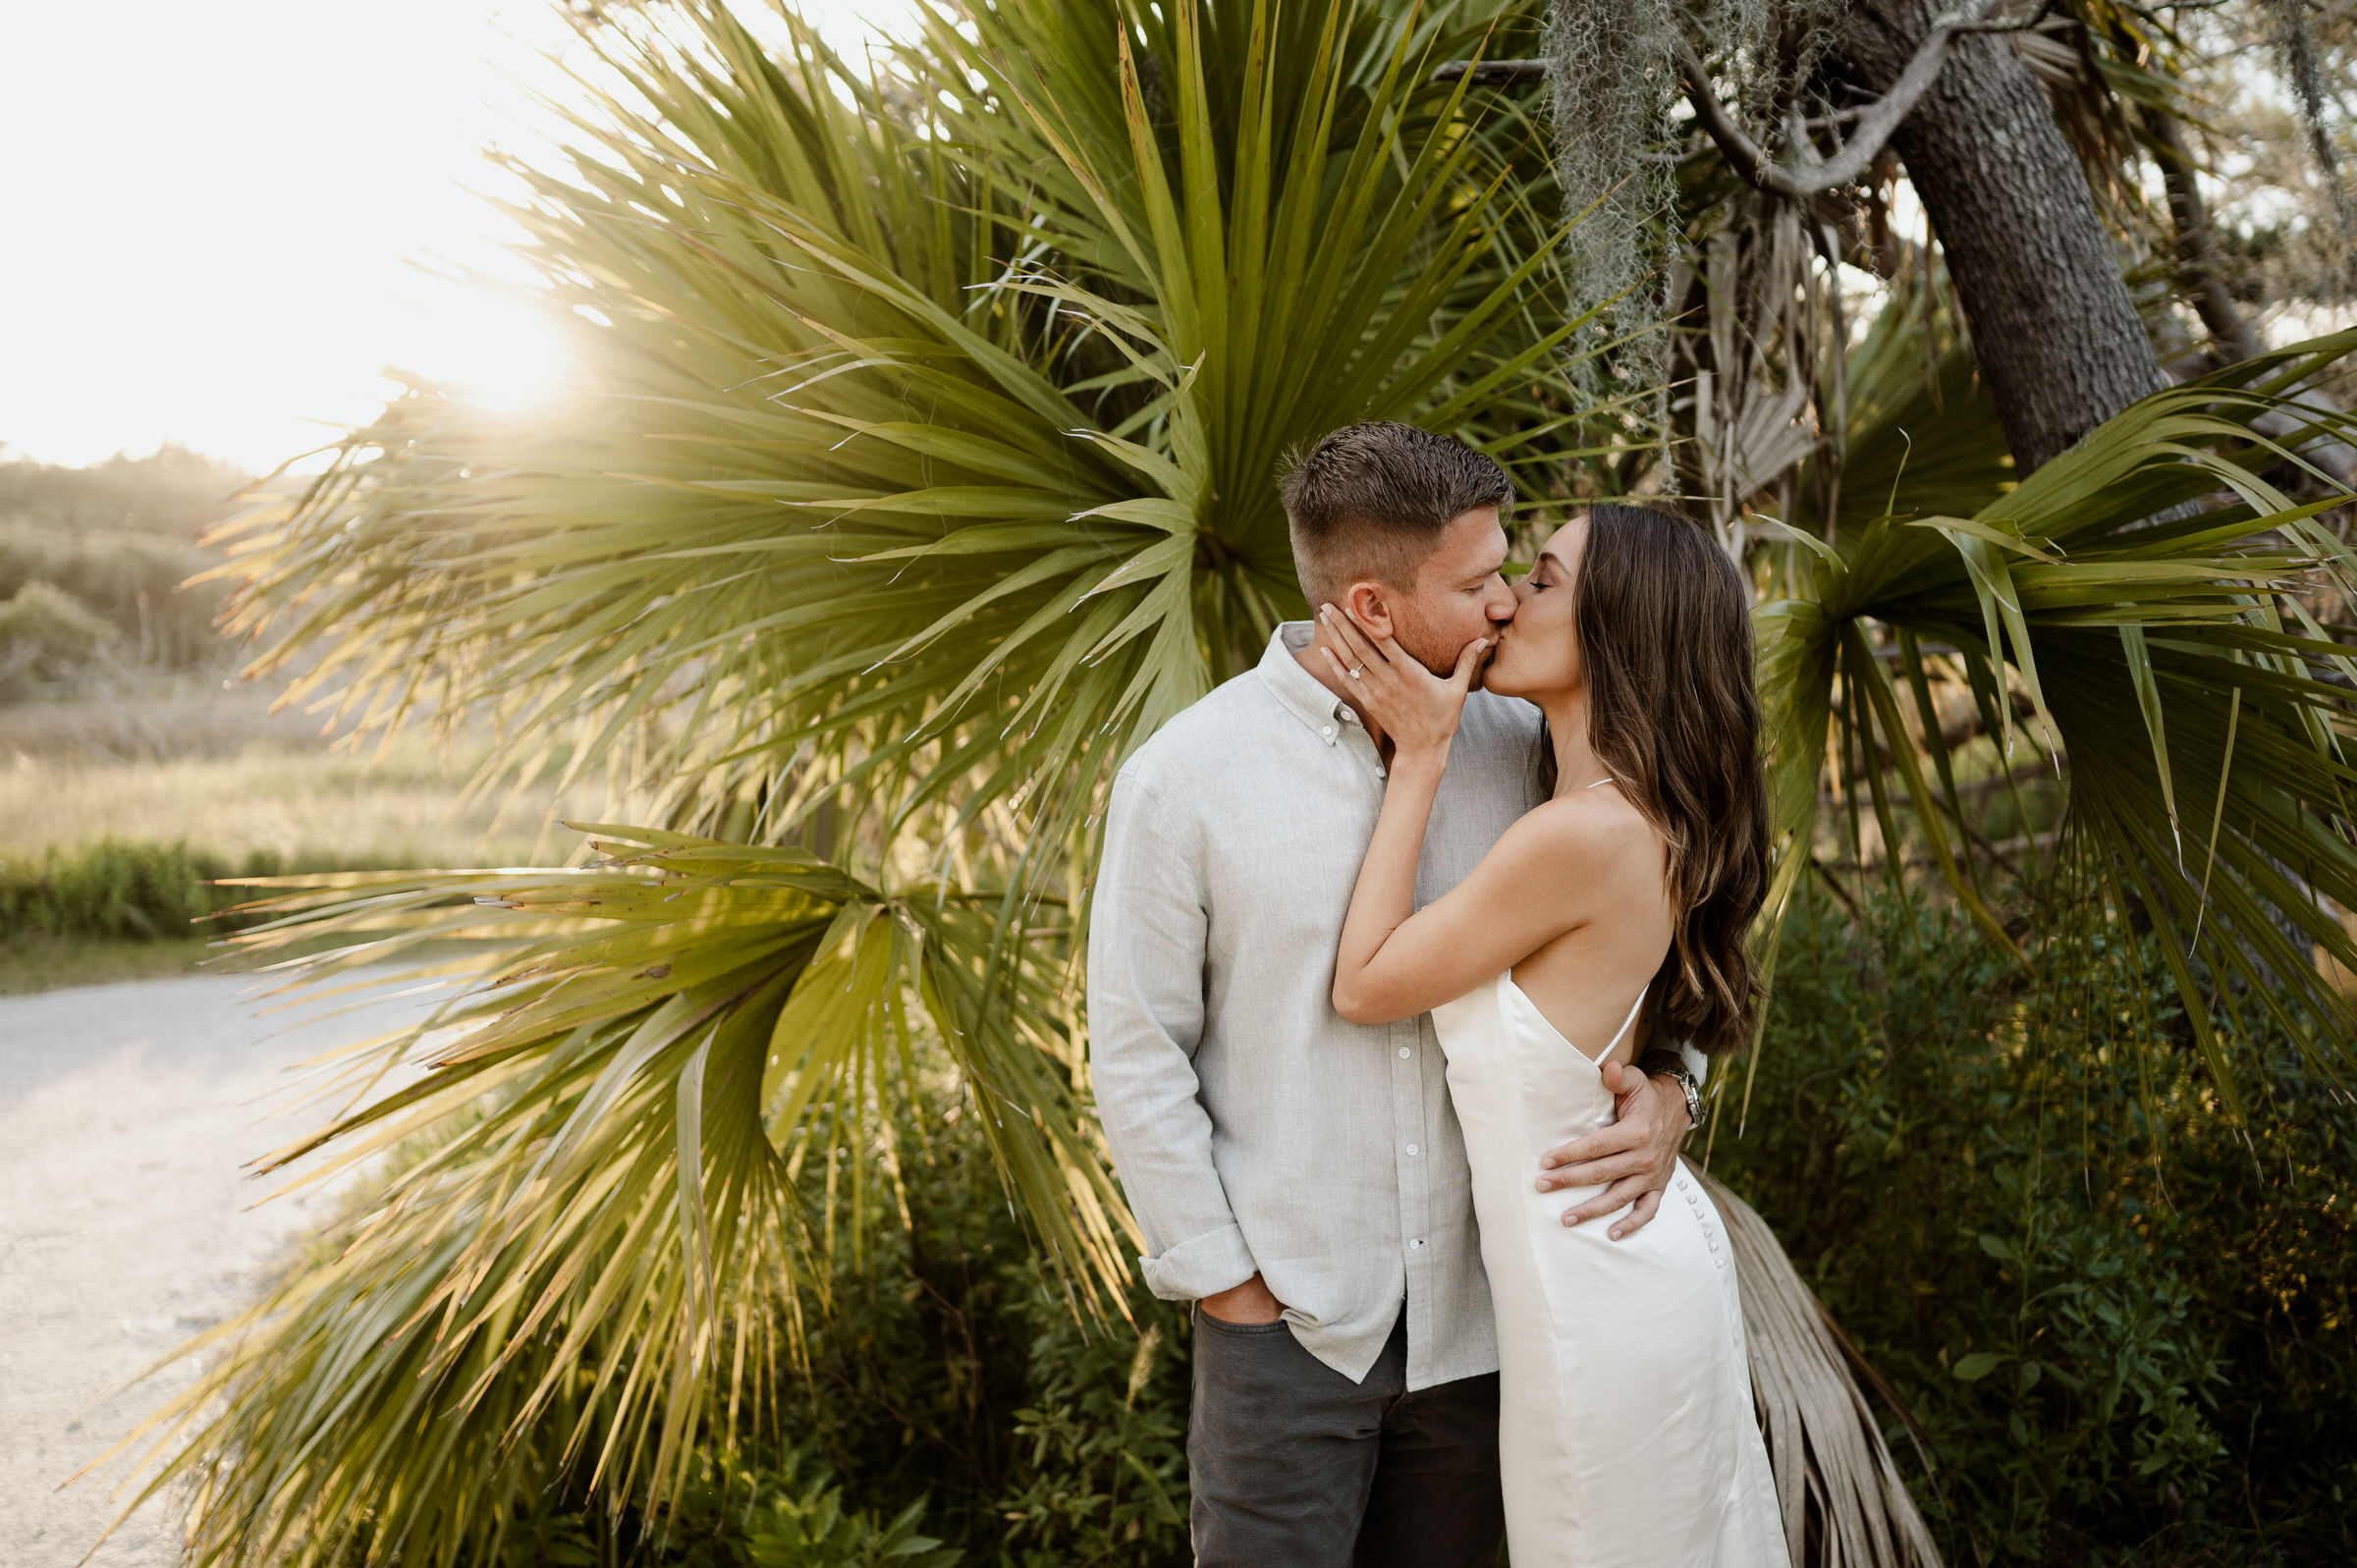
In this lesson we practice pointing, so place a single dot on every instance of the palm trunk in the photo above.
(2051, 321)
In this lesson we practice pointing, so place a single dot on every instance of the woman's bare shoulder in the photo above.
(1595, 830)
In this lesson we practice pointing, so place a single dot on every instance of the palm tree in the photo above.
(921, 469)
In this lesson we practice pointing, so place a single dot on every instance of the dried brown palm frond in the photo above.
(1843, 1500)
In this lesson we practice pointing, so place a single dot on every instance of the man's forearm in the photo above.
(1674, 1070)
(1145, 1009)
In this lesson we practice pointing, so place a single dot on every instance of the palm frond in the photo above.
(930, 424)
(2142, 594)
(1838, 1489)
(606, 1209)
(922, 464)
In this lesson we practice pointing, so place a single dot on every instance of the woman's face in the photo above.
(1538, 652)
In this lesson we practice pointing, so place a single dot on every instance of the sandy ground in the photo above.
(125, 1224)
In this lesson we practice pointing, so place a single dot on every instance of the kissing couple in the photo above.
(1382, 933)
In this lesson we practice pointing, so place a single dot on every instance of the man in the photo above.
(1303, 1178)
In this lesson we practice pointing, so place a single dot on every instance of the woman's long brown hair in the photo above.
(1663, 621)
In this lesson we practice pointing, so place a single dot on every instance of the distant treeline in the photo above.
(92, 563)
(171, 491)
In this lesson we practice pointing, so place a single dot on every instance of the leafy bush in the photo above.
(787, 1515)
(952, 1368)
(949, 1386)
(118, 891)
(125, 580)
(2123, 1323)
(48, 637)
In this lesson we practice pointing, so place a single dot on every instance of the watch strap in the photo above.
(1670, 1064)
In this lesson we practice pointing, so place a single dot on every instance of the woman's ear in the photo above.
(1368, 603)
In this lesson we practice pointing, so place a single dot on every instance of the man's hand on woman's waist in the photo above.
(1635, 1157)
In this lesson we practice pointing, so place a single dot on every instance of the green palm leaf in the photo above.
(601, 1242)
(2142, 593)
(923, 464)
(929, 452)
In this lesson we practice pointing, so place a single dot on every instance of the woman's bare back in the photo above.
(1585, 981)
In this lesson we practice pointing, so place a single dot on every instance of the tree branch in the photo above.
(1876, 121)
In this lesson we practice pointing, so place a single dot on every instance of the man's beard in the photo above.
(1413, 639)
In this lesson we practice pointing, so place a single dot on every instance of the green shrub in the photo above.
(113, 891)
(953, 1369)
(1101, 1476)
(790, 1514)
(124, 580)
(47, 638)
(2124, 1322)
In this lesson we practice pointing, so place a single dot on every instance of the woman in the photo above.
(1627, 893)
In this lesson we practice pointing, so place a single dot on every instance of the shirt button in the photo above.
(1418, 1242)
(1404, 1050)
(1328, 732)
(1411, 1148)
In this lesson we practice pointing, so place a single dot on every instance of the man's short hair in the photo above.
(1372, 499)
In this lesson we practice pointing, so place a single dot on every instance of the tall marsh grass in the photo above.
(313, 807)
(116, 892)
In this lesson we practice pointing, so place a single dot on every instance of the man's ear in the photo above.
(1369, 603)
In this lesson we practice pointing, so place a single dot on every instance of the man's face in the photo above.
(1458, 594)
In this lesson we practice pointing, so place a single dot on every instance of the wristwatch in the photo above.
(1670, 1064)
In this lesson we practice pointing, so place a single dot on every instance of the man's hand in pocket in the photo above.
(1250, 1302)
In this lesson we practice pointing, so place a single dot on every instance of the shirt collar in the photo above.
(1303, 695)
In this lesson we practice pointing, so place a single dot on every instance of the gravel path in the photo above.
(124, 1113)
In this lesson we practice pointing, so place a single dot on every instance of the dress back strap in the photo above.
(1625, 1025)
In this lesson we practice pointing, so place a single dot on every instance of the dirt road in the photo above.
(126, 1111)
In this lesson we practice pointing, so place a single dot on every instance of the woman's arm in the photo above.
(1395, 962)
(1398, 961)
(1384, 898)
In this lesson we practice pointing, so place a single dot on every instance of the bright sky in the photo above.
(217, 206)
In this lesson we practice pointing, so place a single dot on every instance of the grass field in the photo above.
(187, 761)
(409, 809)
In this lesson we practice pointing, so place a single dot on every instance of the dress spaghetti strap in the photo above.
(1624, 1023)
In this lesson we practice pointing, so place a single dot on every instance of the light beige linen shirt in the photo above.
(1253, 1128)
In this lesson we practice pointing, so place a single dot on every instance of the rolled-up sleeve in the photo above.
(1147, 930)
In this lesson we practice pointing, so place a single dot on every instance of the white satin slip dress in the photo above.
(1625, 1435)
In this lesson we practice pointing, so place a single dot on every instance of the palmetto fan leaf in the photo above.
(2142, 596)
(600, 1242)
(922, 464)
(929, 424)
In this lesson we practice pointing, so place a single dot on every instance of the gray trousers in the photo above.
(1292, 1465)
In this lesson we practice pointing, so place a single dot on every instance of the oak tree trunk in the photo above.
(2050, 319)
